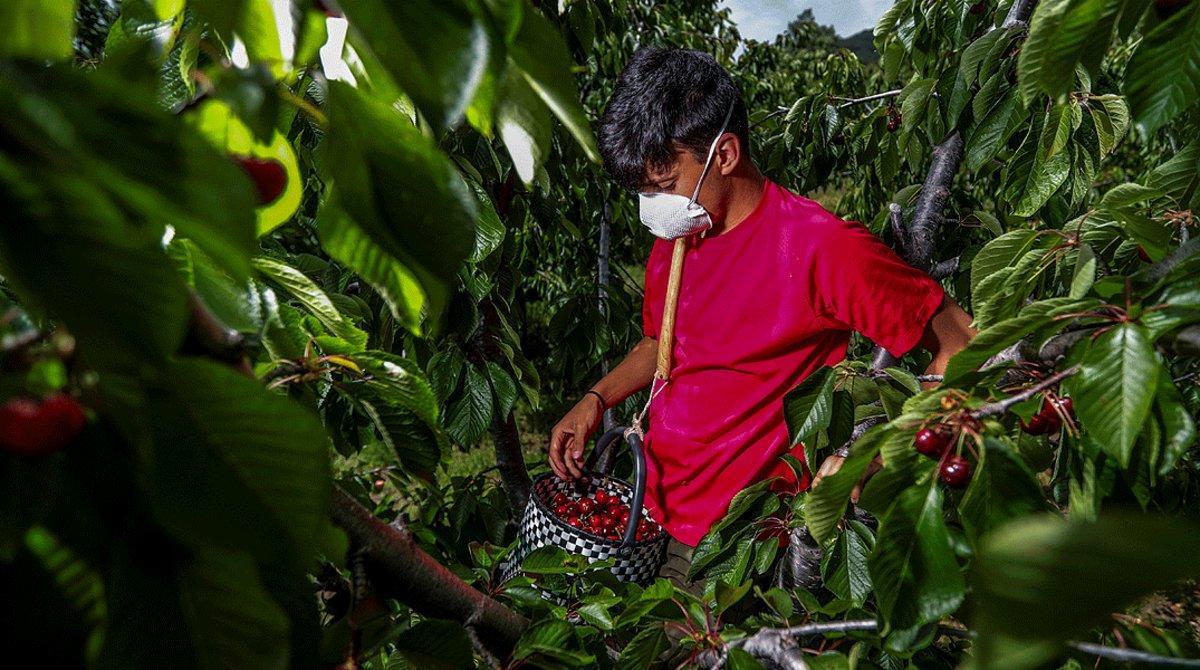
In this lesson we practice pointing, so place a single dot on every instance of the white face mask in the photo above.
(671, 216)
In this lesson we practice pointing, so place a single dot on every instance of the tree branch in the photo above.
(510, 462)
(850, 102)
(1001, 406)
(402, 570)
(775, 644)
(927, 214)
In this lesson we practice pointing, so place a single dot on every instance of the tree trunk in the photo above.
(514, 478)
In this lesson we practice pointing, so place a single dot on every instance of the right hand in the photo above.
(569, 436)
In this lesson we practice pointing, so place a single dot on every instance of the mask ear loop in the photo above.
(712, 149)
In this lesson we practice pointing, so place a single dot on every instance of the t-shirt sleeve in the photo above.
(654, 293)
(861, 283)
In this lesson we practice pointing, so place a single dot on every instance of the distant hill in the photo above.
(860, 44)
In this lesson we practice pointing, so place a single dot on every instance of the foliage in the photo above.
(427, 273)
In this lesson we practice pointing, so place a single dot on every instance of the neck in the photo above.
(744, 191)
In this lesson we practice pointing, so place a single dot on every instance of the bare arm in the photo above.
(947, 333)
(569, 435)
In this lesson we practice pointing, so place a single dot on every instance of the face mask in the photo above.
(671, 216)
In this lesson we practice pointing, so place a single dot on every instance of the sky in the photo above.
(764, 19)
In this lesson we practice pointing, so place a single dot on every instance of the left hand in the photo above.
(833, 463)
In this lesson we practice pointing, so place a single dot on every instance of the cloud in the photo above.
(764, 19)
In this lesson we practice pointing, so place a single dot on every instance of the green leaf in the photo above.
(223, 600)
(1084, 274)
(1179, 175)
(826, 503)
(437, 50)
(523, 122)
(808, 408)
(1115, 387)
(401, 191)
(916, 576)
(1042, 180)
(552, 639)
(997, 337)
(234, 464)
(1163, 77)
(348, 244)
(37, 29)
(504, 388)
(991, 132)
(414, 441)
(1063, 33)
(1030, 567)
(538, 51)
(308, 294)
(1001, 489)
(489, 229)
(999, 254)
(850, 579)
(644, 648)
(1178, 426)
(1111, 117)
(437, 644)
(1056, 132)
(470, 414)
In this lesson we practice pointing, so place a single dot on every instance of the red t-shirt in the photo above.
(761, 307)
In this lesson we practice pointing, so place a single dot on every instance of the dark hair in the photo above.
(664, 98)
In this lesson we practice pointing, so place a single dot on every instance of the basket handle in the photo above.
(639, 474)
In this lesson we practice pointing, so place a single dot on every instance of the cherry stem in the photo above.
(1000, 407)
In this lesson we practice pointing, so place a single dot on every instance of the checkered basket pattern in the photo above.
(639, 562)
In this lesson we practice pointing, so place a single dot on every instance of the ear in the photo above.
(728, 155)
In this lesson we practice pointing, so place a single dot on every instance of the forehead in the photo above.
(679, 163)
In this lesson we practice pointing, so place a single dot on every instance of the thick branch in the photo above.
(943, 269)
(1019, 13)
(927, 214)
(510, 462)
(402, 570)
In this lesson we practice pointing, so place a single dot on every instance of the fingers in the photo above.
(573, 454)
(856, 492)
(558, 442)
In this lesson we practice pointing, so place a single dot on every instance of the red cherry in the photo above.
(573, 520)
(1052, 418)
(979, 7)
(955, 472)
(1067, 406)
(32, 428)
(268, 176)
(561, 511)
(586, 505)
(559, 499)
(623, 516)
(1038, 425)
(602, 497)
(572, 508)
(1166, 8)
(932, 442)
(331, 10)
